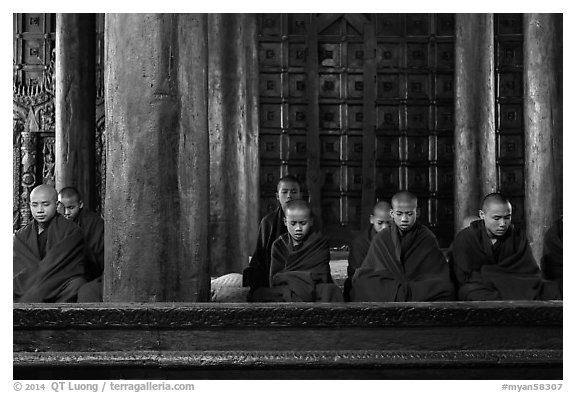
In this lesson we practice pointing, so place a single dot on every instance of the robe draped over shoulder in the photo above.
(403, 268)
(92, 226)
(256, 275)
(56, 277)
(552, 256)
(358, 250)
(505, 270)
(302, 273)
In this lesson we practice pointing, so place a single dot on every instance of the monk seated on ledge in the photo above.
(49, 254)
(404, 262)
(492, 260)
(300, 266)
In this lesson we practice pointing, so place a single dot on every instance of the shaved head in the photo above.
(404, 197)
(497, 215)
(43, 203)
(47, 192)
(70, 202)
(494, 199)
(382, 206)
(70, 192)
(404, 210)
(288, 189)
(380, 217)
(298, 220)
(298, 205)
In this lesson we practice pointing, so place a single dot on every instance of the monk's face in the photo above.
(69, 207)
(404, 214)
(497, 217)
(299, 224)
(43, 205)
(380, 219)
(287, 191)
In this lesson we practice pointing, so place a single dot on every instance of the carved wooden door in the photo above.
(359, 106)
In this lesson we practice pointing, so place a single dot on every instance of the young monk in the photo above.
(49, 253)
(256, 275)
(92, 225)
(404, 262)
(379, 219)
(492, 259)
(552, 256)
(300, 266)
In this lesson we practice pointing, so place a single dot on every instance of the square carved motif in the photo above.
(387, 55)
(417, 24)
(388, 25)
(297, 53)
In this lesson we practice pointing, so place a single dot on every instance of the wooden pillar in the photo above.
(156, 213)
(475, 129)
(234, 156)
(75, 104)
(543, 124)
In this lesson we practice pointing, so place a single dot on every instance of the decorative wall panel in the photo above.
(509, 111)
(363, 104)
(33, 108)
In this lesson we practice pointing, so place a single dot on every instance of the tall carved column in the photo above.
(475, 129)
(543, 124)
(233, 119)
(76, 103)
(157, 171)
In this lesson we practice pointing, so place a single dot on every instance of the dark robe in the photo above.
(300, 273)
(552, 256)
(256, 275)
(402, 268)
(358, 250)
(505, 270)
(55, 277)
(92, 226)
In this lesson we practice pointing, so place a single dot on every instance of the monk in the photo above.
(379, 219)
(492, 259)
(552, 256)
(72, 208)
(257, 274)
(49, 254)
(404, 262)
(300, 266)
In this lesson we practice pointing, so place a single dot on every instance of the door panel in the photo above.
(364, 109)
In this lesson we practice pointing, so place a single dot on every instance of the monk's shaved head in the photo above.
(298, 205)
(45, 191)
(70, 192)
(298, 220)
(382, 206)
(497, 215)
(404, 197)
(404, 210)
(43, 204)
(494, 198)
(381, 217)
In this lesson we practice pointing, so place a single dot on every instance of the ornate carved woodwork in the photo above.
(467, 340)
(359, 106)
(33, 109)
